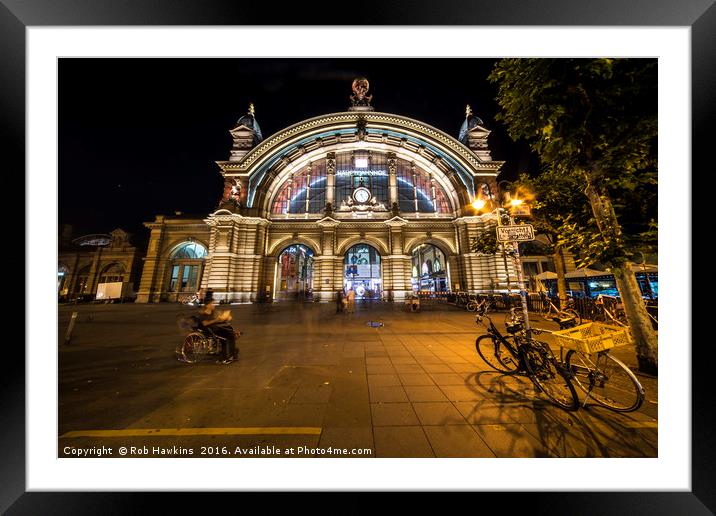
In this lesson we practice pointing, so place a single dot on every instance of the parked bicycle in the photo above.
(586, 352)
(519, 352)
(608, 309)
(548, 310)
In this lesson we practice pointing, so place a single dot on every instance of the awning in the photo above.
(546, 275)
(586, 273)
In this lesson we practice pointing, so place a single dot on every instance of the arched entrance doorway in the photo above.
(361, 272)
(429, 269)
(63, 273)
(186, 267)
(295, 273)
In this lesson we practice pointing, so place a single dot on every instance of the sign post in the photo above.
(516, 233)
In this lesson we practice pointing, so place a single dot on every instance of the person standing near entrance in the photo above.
(339, 301)
(351, 298)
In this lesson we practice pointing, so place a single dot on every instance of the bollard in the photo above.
(71, 327)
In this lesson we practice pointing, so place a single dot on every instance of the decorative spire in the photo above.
(470, 122)
(251, 109)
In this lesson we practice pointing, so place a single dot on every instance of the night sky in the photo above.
(139, 137)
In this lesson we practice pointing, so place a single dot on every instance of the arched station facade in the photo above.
(360, 199)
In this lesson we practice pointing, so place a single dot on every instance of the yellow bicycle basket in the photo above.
(592, 337)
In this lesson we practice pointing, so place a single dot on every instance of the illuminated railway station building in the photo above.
(360, 199)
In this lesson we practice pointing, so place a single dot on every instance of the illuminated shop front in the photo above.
(362, 272)
(376, 202)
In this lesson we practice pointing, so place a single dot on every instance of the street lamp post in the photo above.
(520, 277)
(478, 204)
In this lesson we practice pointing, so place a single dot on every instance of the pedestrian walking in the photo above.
(351, 300)
(339, 301)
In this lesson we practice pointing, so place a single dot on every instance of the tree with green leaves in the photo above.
(594, 120)
(558, 201)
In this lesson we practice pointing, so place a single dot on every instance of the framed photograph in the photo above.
(397, 256)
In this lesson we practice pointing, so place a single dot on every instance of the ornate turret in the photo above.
(246, 135)
(474, 135)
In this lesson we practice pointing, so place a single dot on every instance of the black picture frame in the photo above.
(699, 15)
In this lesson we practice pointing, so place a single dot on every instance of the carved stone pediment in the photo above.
(328, 222)
(396, 222)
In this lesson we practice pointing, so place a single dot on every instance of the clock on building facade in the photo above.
(361, 195)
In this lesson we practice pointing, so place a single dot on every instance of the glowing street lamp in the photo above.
(478, 204)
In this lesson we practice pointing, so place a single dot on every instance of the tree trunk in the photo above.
(644, 336)
(558, 258)
(639, 322)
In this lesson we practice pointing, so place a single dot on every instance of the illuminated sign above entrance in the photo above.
(346, 173)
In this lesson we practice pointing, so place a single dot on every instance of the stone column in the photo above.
(392, 179)
(324, 266)
(331, 179)
(150, 285)
(398, 263)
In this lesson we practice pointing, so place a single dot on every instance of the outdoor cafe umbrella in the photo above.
(586, 273)
(539, 278)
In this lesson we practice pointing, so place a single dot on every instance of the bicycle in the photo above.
(519, 352)
(550, 311)
(608, 309)
(191, 300)
(598, 374)
(200, 342)
(474, 302)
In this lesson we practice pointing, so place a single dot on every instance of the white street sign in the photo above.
(515, 233)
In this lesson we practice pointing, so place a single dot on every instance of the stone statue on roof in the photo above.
(360, 97)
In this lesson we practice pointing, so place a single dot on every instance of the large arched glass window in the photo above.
(418, 192)
(187, 262)
(303, 192)
(190, 251)
(361, 168)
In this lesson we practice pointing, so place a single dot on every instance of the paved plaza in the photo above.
(310, 382)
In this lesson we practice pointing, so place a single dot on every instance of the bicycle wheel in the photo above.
(496, 355)
(471, 306)
(191, 350)
(548, 376)
(606, 380)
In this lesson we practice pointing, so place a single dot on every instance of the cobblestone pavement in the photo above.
(311, 382)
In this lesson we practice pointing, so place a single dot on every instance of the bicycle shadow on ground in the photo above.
(587, 432)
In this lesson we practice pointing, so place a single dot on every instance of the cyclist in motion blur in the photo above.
(219, 323)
